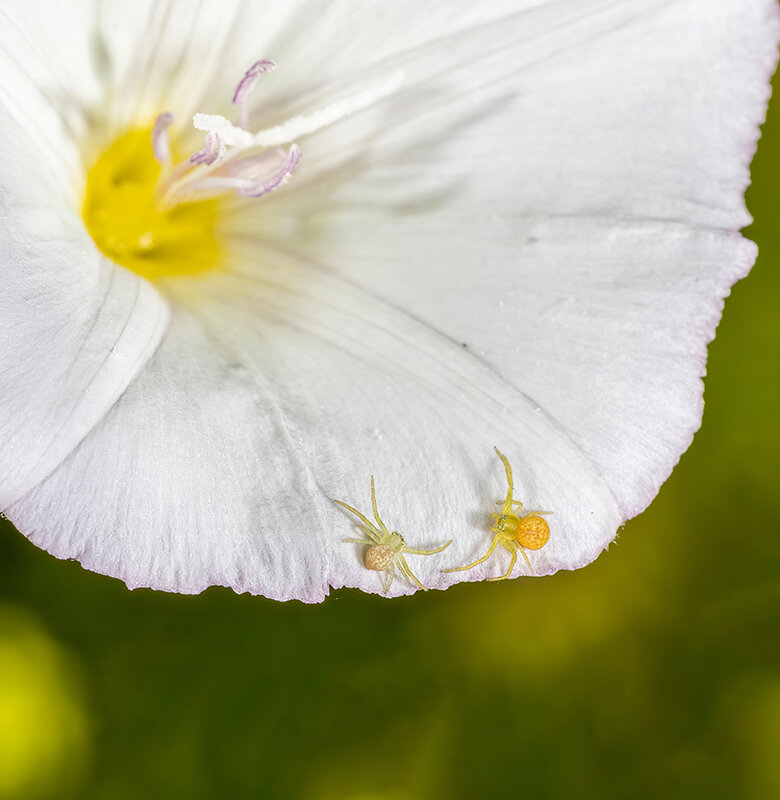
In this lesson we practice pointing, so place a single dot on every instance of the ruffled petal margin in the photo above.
(527, 247)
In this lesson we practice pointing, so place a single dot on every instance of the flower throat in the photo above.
(130, 225)
(158, 216)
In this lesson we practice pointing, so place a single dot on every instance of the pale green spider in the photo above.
(386, 549)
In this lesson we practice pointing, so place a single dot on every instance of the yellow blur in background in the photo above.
(44, 729)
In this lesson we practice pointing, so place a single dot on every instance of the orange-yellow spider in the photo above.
(513, 532)
(386, 549)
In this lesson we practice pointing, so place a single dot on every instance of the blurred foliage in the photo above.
(653, 673)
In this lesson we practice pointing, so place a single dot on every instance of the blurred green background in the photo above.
(653, 673)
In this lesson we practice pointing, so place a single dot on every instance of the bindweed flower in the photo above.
(254, 253)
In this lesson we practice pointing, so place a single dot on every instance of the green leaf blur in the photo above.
(653, 673)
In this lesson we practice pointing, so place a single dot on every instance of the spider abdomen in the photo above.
(378, 557)
(532, 532)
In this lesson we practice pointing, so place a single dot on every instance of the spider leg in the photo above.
(376, 513)
(519, 507)
(522, 550)
(356, 541)
(391, 570)
(479, 560)
(427, 552)
(372, 529)
(513, 551)
(510, 485)
(404, 567)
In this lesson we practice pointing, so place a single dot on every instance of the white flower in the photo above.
(512, 225)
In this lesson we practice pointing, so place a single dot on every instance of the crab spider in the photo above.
(513, 532)
(386, 549)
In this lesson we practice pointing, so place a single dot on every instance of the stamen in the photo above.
(245, 86)
(161, 146)
(213, 170)
(270, 180)
(296, 127)
(252, 176)
(214, 151)
(159, 217)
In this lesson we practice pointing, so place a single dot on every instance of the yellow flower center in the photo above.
(129, 223)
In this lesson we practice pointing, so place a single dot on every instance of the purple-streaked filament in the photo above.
(274, 179)
(212, 170)
(160, 145)
(214, 150)
(245, 86)
(250, 176)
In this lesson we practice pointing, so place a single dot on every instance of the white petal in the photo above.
(75, 328)
(219, 463)
(591, 220)
(578, 238)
